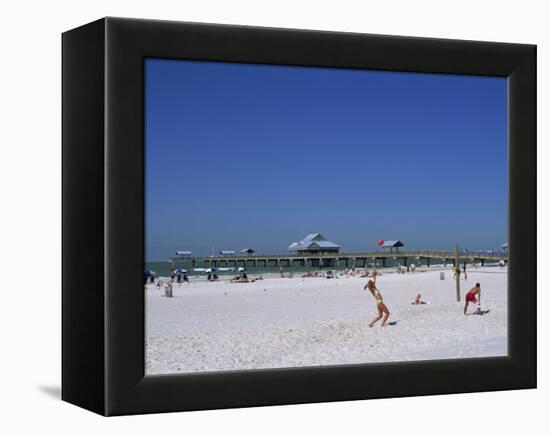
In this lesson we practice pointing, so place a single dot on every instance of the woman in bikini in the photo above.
(383, 310)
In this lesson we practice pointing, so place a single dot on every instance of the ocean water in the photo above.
(163, 268)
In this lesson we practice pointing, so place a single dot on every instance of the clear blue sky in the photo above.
(241, 155)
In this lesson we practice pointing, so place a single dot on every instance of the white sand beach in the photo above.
(281, 322)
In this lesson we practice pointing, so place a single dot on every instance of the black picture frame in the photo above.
(103, 223)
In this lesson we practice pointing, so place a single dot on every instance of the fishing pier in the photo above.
(349, 260)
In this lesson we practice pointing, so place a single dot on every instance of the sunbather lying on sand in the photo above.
(243, 278)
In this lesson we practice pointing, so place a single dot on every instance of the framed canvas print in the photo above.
(257, 216)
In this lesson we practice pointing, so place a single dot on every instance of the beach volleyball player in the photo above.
(473, 296)
(383, 311)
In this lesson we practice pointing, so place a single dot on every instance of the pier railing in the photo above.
(350, 259)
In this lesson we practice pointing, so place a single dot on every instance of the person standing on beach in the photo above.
(456, 272)
(471, 297)
(383, 311)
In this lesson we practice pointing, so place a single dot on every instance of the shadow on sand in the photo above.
(51, 391)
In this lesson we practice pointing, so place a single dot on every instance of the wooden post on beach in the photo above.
(457, 274)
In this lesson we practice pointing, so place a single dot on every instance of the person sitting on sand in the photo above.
(242, 278)
(418, 300)
(471, 297)
(383, 310)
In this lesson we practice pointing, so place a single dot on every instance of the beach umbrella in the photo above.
(181, 270)
(211, 270)
(380, 242)
(240, 269)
